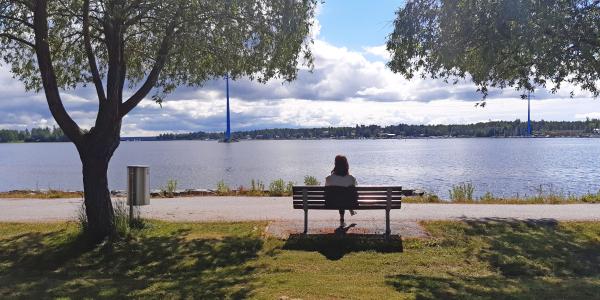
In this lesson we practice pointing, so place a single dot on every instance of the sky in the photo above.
(349, 85)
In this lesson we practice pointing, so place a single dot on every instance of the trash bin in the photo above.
(138, 186)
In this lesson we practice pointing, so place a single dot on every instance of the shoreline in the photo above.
(154, 139)
(418, 197)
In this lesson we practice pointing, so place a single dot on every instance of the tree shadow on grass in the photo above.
(145, 267)
(532, 259)
(30, 251)
(536, 247)
(334, 246)
(466, 287)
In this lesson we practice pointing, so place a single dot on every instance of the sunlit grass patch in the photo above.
(485, 259)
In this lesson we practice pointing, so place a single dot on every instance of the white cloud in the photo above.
(591, 115)
(345, 88)
(378, 51)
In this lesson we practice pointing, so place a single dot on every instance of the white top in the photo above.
(337, 180)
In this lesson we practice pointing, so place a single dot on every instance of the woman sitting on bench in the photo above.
(340, 176)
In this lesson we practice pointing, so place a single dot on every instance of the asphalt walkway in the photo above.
(280, 209)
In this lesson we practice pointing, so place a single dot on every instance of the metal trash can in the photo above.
(138, 185)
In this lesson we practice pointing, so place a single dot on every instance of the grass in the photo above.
(164, 261)
(474, 259)
(463, 193)
(490, 199)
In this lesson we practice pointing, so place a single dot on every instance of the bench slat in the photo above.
(362, 193)
(313, 206)
(365, 202)
(360, 197)
(376, 193)
(298, 189)
(378, 188)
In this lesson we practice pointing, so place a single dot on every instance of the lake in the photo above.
(502, 166)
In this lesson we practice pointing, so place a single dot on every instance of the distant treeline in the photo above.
(34, 135)
(515, 128)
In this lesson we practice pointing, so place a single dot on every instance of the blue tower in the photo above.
(528, 113)
(228, 132)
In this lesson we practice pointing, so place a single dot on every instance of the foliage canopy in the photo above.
(499, 43)
(189, 41)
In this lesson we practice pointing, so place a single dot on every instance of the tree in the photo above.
(499, 43)
(127, 49)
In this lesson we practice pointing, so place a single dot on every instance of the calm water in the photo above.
(502, 166)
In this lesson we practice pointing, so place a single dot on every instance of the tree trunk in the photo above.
(95, 154)
(98, 205)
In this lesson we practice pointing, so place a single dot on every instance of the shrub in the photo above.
(591, 198)
(257, 188)
(431, 198)
(548, 194)
(82, 218)
(121, 220)
(425, 198)
(277, 188)
(289, 188)
(487, 197)
(311, 180)
(223, 189)
(462, 192)
(169, 190)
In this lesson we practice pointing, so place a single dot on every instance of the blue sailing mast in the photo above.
(228, 132)
(528, 113)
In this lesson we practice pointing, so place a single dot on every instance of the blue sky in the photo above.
(349, 85)
(357, 23)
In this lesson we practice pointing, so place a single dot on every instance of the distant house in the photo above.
(385, 135)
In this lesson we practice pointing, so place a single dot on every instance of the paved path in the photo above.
(280, 209)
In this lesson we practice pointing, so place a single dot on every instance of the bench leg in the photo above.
(305, 221)
(387, 224)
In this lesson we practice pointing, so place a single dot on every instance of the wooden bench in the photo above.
(369, 197)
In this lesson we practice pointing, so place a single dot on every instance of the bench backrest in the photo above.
(369, 197)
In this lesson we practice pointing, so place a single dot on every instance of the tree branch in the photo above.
(42, 49)
(18, 39)
(160, 61)
(24, 22)
(140, 16)
(90, 52)
(29, 4)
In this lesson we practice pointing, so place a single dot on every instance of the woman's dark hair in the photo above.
(341, 166)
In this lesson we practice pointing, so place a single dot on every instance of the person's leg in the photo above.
(342, 223)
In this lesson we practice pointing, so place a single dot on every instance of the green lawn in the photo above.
(498, 259)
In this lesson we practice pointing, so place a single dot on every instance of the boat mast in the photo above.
(228, 132)
(529, 113)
